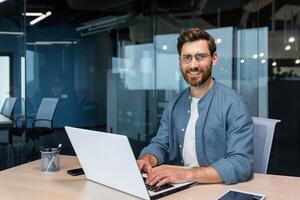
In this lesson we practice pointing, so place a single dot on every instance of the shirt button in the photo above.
(180, 146)
(182, 129)
(189, 97)
(189, 111)
(181, 161)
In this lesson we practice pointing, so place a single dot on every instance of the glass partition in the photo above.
(12, 50)
(257, 44)
(252, 68)
(5, 70)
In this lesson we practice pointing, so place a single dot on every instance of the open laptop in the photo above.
(108, 159)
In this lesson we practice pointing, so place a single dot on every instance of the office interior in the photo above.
(113, 66)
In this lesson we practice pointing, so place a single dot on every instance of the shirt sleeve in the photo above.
(237, 166)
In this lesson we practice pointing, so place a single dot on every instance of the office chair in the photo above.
(8, 107)
(7, 110)
(39, 125)
(262, 140)
(42, 124)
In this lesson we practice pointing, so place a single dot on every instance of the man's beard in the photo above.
(194, 83)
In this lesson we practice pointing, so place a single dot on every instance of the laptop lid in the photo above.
(108, 159)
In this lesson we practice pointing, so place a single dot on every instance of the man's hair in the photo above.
(195, 34)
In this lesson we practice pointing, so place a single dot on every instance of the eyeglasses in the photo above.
(186, 59)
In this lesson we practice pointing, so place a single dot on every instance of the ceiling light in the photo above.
(291, 39)
(40, 18)
(1, 1)
(164, 47)
(242, 61)
(274, 63)
(261, 54)
(51, 42)
(103, 24)
(11, 33)
(33, 14)
(263, 61)
(297, 61)
(218, 40)
(255, 56)
(287, 47)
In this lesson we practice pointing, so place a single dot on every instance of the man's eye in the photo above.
(186, 57)
(200, 56)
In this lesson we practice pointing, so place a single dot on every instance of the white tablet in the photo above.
(233, 194)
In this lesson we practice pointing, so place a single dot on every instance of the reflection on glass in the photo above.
(223, 70)
(252, 74)
(136, 68)
(5, 78)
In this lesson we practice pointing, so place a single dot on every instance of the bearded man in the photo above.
(206, 131)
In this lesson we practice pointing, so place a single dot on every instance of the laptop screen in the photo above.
(108, 159)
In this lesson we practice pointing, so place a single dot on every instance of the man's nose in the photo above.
(194, 62)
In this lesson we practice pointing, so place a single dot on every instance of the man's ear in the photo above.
(214, 58)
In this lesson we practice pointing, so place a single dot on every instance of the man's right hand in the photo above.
(144, 166)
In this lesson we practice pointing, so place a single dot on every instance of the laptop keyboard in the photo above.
(155, 188)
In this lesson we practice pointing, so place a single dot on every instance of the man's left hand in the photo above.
(170, 174)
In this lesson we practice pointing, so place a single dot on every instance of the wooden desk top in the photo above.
(27, 182)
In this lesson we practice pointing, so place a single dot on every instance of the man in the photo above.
(206, 131)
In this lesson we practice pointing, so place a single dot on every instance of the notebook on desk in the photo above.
(108, 159)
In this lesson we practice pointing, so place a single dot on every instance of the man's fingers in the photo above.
(140, 165)
(157, 177)
(144, 166)
(153, 181)
(163, 181)
(148, 169)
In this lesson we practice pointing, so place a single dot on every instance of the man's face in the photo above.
(196, 62)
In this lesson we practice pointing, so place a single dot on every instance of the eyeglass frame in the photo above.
(199, 57)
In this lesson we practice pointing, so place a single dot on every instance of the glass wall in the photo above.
(114, 66)
(257, 57)
(72, 70)
(12, 51)
(12, 32)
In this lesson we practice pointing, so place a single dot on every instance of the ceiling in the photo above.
(85, 16)
(215, 13)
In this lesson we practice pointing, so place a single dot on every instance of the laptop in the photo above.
(108, 159)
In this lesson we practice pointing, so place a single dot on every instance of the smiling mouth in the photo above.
(193, 73)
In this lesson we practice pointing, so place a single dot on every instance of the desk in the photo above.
(26, 182)
(4, 121)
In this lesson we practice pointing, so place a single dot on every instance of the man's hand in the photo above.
(170, 174)
(177, 174)
(145, 163)
(144, 166)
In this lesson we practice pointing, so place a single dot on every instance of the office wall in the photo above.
(73, 72)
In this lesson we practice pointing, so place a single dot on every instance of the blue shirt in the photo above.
(223, 132)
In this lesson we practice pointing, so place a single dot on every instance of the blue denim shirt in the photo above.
(224, 133)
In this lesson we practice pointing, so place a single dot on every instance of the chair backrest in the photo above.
(8, 106)
(45, 114)
(262, 140)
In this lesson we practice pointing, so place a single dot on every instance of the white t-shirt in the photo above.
(189, 146)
